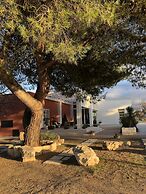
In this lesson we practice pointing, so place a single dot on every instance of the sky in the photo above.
(120, 96)
(124, 91)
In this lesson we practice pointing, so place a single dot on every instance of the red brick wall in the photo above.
(54, 109)
(11, 108)
(66, 109)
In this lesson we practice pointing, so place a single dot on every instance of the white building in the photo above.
(84, 111)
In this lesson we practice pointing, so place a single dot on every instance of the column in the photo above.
(91, 114)
(79, 114)
(60, 112)
(42, 122)
(97, 116)
(71, 112)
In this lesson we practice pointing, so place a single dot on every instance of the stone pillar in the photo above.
(42, 122)
(71, 113)
(60, 112)
(79, 114)
(97, 117)
(21, 136)
(91, 114)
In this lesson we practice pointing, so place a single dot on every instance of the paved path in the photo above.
(105, 131)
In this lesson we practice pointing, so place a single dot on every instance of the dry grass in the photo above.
(119, 172)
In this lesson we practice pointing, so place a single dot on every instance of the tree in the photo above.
(72, 45)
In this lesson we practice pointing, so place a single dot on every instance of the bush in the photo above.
(66, 125)
(129, 119)
(85, 126)
(49, 136)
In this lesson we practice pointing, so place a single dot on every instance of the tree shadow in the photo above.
(48, 155)
(6, 156)
(127, 162)
(134, 151)
(71, 161)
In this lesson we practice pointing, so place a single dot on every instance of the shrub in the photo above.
(85, 126)
(129, 119)
(66, 125)
(49, 136)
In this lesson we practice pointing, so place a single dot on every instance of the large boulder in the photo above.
(112, 145)
(85, 155)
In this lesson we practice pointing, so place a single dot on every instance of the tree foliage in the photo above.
(83, 38)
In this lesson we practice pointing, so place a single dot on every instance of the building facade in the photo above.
(56, 110)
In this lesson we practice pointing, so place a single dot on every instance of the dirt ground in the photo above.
(119, 172)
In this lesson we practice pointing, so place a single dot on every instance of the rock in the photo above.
(46, 142)
(60, 141)
(112, 145)
(21, 136)
(38, 149)
(85, 155)
(28, 154)
(128, 143)
(53, 146)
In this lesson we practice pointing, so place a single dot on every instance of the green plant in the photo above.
(48, 136)
(129, 119)
(66, 125)
(85, 126)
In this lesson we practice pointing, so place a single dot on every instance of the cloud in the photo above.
(114, 111)
(124, 91)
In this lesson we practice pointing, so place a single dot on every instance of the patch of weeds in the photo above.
(49, 136)
(144, 161)
(97, 168)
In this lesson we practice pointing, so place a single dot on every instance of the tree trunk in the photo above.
(26, 118)
(33, 130)
(36, 106)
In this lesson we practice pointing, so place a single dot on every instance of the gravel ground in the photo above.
(119, 172)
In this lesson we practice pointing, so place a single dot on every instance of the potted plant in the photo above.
(129, 122)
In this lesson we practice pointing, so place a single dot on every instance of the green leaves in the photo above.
(59, 26)
(88, 36)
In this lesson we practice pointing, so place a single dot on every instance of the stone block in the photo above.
(128, 130)
(28, 154)
(46, 147)
(38, 148)
(21, 136)
(112, 145)
(53, 146)
(128, 143)
(60, 141)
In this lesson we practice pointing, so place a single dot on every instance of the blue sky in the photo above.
(124, 91)
(120, 96)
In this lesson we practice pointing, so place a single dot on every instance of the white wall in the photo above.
(108, 110)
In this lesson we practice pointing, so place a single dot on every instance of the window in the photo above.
(46, 120)
(15, 133)
(7, 123)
